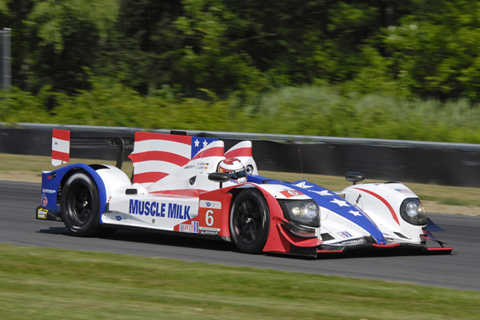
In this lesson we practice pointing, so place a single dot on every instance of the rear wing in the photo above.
(62, 142)
(155, 155)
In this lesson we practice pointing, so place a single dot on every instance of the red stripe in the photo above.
(148, 177)
(142, 136)
(330, 251)
(180, 192)
(61, 134)
(211, 152)
(57, 155)
(240, 152)
(385, 245)
(439, 249)
(159, 156)
(385, 202)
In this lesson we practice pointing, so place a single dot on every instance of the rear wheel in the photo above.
(80, 204)
(249, 221)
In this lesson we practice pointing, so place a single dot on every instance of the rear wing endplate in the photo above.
(61, 141)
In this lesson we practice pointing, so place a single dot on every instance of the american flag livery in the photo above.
(156, 155)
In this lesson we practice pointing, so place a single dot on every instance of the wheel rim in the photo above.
(248, 221)
(80, 203)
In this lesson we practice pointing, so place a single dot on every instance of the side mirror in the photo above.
(219, 177)
(354, 177)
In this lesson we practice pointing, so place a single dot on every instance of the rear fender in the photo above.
(53, 181)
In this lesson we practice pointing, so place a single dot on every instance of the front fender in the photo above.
(382, 202)
(279, 239)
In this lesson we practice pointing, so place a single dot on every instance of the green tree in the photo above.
(436, 50)
(144, 46)
(67, 35)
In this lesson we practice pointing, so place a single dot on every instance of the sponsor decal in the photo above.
(353, 241)
(159, 209)
(209, 231)
(119, 218)
(344, 234)
(44, 200)
(193, 227)
(210, 204)
(50, 191)
(42, 213)
(291, 193)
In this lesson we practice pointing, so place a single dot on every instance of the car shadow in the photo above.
(155, 238)
(172, 239)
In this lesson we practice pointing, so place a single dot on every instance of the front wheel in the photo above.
(80, 203)
(249, 221)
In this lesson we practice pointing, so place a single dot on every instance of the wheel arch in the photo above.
(91, 171)
(277, 240)
(274, 241)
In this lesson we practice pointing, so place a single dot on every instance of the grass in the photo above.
(37, 164)
(62, 284)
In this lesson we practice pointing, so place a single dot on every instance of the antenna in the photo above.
(300, 156)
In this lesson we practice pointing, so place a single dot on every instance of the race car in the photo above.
(188, 184)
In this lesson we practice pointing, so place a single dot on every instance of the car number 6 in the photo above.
(209, 218)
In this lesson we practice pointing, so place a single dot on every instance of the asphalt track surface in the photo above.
(18, 226)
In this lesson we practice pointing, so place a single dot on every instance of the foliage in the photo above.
(67, 35)
(21, 106)
(380, 68)
(308, 110)
(435, 51)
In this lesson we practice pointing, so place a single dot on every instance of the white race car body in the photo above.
(176, 188)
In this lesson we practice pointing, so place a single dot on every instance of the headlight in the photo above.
(413, 212)
(303, 212)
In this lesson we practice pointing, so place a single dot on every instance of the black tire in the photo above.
(249, 221)
(80, 203)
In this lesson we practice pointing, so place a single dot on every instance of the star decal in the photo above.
(355, 213)
(340, 203)
(197, 143)
(205, 143)
(322, 193)
(303, 184)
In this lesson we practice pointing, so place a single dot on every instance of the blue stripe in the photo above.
(331, 201)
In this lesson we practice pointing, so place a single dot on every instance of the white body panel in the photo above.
(380, 202)
(161, 213)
